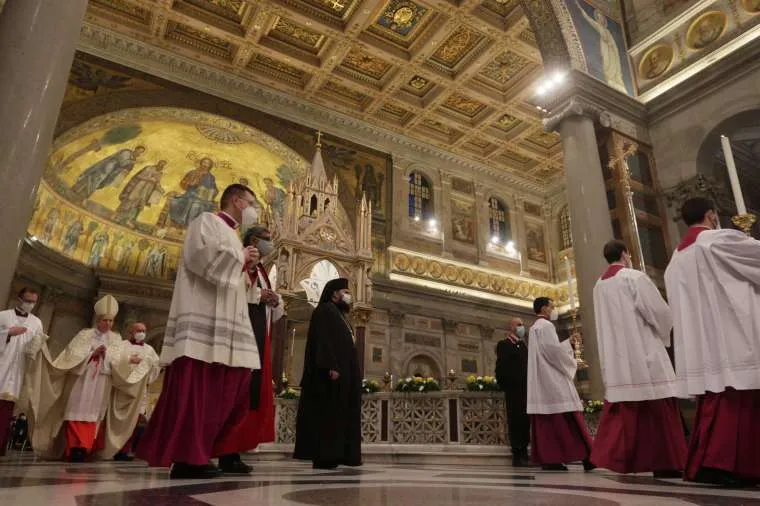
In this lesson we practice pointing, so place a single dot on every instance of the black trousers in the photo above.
(518, 421)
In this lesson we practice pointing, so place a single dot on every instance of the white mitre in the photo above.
(107, 308)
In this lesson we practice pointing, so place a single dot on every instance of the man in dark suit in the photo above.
(512, 375)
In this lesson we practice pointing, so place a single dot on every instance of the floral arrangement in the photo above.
(482, 384)
(591, 407)
(417, 384)
(370, 386)
(288, 394)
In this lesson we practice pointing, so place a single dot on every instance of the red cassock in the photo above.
(559, 438)
(258, 426)
(640, 436)
(725, 434)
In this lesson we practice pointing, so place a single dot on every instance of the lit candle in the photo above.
(733, 176)
(570, 293)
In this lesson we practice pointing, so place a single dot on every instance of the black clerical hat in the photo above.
(333, 286)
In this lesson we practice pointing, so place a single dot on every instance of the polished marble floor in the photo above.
(24, 482)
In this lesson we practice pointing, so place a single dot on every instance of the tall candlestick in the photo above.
(733, 176)
(570, 293)
(292, 342)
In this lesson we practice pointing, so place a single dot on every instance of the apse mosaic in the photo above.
(119, 190)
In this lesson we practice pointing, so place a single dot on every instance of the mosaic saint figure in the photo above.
(155, 266)
(98, 249)
(108, 171)
(200, 190)
(50, 224)
(71, 239)
(144, 189)
(275, 197)
(612, 68)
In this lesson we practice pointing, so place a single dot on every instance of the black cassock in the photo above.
(328, 427)
(512, 375)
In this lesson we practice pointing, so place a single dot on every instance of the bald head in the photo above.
(513, 324)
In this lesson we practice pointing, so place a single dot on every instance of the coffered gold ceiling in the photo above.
(458, 74)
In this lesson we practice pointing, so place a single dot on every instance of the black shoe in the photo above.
(123, 457)
(665, 474)
(554, 467)
(588, 466)
(352, 463)
(77, 455)
(182, 471)
(720, 477)
(235, 467)
(324, 465)
(522, 462)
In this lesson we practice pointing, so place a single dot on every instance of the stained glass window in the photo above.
(498, 221)
(419, 196)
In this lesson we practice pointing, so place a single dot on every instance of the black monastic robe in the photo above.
(328, 427)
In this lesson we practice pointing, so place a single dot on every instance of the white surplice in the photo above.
(551, 369)
(148, 357)
(208, 319)
(714, 292)
(88, 396)
(633, 324)
(12, 357)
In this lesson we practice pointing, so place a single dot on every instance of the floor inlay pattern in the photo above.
(24, 482)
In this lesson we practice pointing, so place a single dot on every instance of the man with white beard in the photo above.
(17, 328)
(713, 283)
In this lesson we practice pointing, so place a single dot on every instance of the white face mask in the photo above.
(140, 337)
(520, 331)
(265, 247)
(250, 218)
(554, 316)
(347, 298)
(26, 306)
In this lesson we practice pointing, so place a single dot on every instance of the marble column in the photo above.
(443, 194)
(520, 235)
(590, 216)
(362, 319)
(37, 43)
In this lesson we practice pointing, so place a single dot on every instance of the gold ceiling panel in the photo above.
(200, 40)
(401, 19)
(464, 105)
(542, 140)
(366, 64)
(450, 73)
(297, 35)
(457, 46)
(505, 67)
(123, 11)
(228, 15)
(501, 7)
(345, 96)
(395, 114)
(270, 67)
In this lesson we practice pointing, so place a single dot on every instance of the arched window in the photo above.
(498, 222)
(313, 206)
(565, 233)
(327, 204)
(419, 197)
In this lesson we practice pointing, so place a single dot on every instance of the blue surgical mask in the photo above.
(520, 331)
(265, 247)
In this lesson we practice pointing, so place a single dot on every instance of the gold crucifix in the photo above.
(319, 139)
(336, 5)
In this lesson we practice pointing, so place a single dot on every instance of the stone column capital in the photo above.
(449, 326)
(486, 332)
(576, 106)
(396, 318)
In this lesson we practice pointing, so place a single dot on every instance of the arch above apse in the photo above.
(555, 33)
(710, 143)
